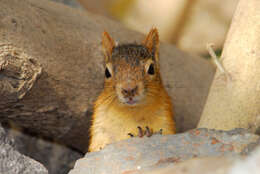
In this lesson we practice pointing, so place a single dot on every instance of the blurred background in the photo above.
(188, 24)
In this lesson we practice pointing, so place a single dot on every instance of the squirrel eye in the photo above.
(151, 69)
(107, 73)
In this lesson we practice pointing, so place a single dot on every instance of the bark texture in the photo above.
(234, 98)
(61, 48)
(19, 73)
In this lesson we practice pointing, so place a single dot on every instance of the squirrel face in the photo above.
(132, 70)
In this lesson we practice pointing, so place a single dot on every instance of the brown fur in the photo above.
(128, 65)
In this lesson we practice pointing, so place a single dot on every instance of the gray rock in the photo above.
(11, 161)
(160, 151)
(213, 165)
(57, 158)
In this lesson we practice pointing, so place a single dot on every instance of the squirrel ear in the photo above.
(108, 44)
(152, 42)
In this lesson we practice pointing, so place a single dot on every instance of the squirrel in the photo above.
(134, 101)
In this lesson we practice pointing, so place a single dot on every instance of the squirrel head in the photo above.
(132, 70)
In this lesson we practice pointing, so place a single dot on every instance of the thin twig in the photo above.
(216, 61)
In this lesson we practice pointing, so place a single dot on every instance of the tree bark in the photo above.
(234, 98)
(62, 48)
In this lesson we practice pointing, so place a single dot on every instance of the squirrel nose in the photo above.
(129, 92)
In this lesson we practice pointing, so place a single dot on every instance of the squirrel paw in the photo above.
(147, 132)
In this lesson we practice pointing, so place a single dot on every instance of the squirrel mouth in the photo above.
(130, 101)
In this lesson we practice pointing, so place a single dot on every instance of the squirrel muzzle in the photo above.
(130, 93)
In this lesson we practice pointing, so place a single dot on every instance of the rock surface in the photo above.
(213, 165)
(203, 165)
(12, 162)
(57, 158)
(159, 151)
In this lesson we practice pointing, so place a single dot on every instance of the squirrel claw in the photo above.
(160, 131)
(148, 132)
(140, 132)
(131, 135)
